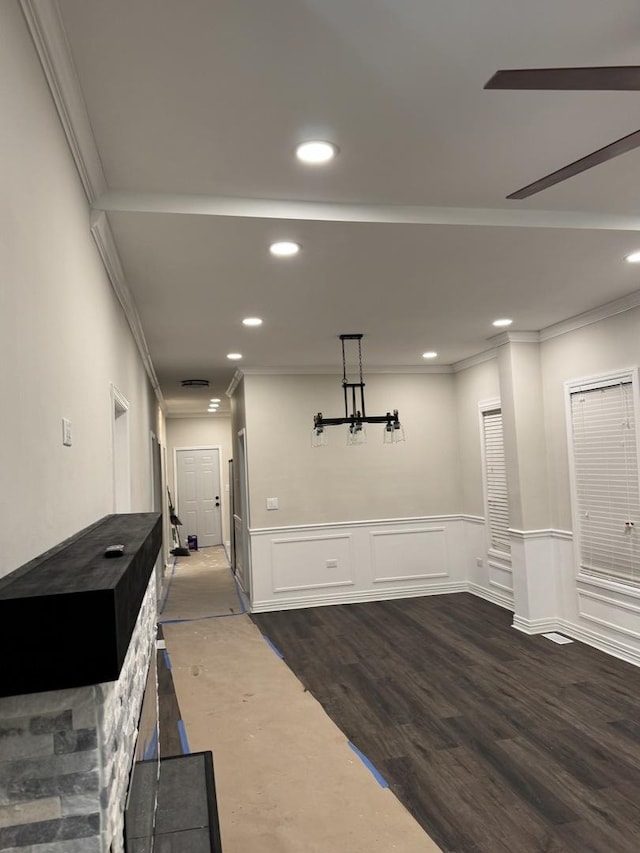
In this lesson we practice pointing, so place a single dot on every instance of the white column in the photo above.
(534, 579)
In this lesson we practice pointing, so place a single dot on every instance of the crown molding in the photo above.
(515, 338)
(238, 376)
(473, 360)
(103, 237)
(50, 39)
(609, 309)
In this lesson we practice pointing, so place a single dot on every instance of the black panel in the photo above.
(66, 618)
(614, 149)
(621, 78)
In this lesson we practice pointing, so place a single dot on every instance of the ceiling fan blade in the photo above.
(606, 79)
(620, 146)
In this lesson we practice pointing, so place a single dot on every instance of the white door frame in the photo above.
(152, 484)
(122, 461)
(244, 508)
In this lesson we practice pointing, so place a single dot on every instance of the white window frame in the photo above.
(485, 406)
(590, 383)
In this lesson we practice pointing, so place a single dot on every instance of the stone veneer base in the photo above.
(66, 755)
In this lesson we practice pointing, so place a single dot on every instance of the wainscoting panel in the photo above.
(596, 612)
(488, 577)
(314, 565)
(416, 554)
(302, 563)
(612, 614)
(501, 577)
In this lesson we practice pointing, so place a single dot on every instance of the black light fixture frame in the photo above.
(355, 391)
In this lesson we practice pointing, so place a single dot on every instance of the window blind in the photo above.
(496, 481)
(606, 480)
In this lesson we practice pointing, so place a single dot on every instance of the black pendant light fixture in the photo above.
(356, 419)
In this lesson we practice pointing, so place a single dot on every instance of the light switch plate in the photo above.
(66, 432)
(272, 503)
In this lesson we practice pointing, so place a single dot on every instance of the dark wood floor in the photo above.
(496, 742)
(168, 708)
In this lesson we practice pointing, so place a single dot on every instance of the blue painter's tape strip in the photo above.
(151, 748)
(376, 773)
(183, 737)
(167, 659)
(273, 647)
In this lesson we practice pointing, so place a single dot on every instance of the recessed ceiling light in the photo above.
(316, 151)
(215, 400)
(633, 258)
(284, 248)
(502, 322)
(430, 354)
(234, 356)
(252, 321)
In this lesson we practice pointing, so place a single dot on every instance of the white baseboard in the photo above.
(614, 647)
(534, 626)
(491, 595)
(357, 597)
(610, 646)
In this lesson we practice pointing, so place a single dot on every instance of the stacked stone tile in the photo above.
(66, 756)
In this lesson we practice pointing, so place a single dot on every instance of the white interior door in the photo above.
(198, 494)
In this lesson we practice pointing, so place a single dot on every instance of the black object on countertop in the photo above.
(114, 551)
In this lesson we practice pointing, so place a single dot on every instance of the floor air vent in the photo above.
(557, 638)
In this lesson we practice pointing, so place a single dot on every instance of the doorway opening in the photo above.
(241, 519)
(121, 452)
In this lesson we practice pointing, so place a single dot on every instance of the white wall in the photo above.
(210, 431)
(354, 523)
(64, 337)
(416, 478)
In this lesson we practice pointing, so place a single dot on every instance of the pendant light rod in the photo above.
(354, 392)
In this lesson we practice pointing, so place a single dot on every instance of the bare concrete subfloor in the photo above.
(287, 781)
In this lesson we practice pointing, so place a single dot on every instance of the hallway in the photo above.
(286, 778)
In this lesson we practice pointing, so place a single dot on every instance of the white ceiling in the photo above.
(194, 103)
